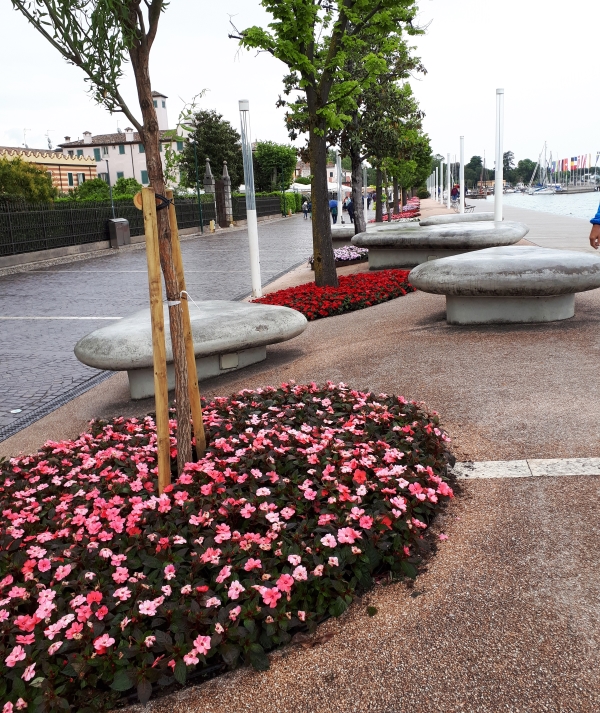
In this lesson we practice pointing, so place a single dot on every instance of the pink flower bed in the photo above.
(305, 494)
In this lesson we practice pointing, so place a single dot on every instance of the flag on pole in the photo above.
(583, 161)
(597, 157)
(573, 163)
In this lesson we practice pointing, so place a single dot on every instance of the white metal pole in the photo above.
(461, 175)
(499, 183)
(244, 105)
(448, 182)
(441, 184)
(435, 184)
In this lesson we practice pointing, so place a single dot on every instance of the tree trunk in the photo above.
(324, 260)
(360, 224)
(387, 200)
(396, 199)
(404, 197)
(150, 139)
(378, 198)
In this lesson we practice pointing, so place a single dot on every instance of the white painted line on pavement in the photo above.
(532, 467)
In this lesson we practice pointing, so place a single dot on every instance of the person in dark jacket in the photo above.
(595, 232)
(350, 209)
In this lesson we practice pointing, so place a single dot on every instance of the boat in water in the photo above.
(543, 187)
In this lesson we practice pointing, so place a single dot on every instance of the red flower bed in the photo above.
(354, 292)
(304, 495)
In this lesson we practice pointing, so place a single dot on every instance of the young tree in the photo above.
(313, 38)
(99, 37)
(21, 179)
(96, 189)
(215, 139)
(270, 161)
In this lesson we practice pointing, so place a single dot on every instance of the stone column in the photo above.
(209, 179)
(227, 190)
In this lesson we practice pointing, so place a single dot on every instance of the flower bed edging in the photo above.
(304, 495)
(354, 292)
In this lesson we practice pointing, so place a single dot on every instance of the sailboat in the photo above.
(542, 187)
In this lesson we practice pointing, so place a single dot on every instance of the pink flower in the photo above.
(29, 673)
(191, 659)
(170, 572)
(300, 574)
(149, 606)
(123, 594)
(44, 565)
(202, 644)
(252, 564)
(302, 615)
(149, 641)
(25, 639)
(318, 570)
(418, 523)
(62, 572)
(121, 575)
(102, 612)
(4, 614)
(20, 704)
(263, 492)
(333, 562)
(328, 541)
(186, 589)
(102, 643)
(74, 631)
(366, 522)
(443, 537)
(53, 648)
(310, 494)
(17, 654)
(234, 613)
(8, 707)
(247, 510)
(223, 574)
(213, 602)
(271, 596)
(287, 513)
(348, 534)
(285, 582)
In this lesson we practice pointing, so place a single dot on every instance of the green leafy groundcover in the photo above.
(304, 495)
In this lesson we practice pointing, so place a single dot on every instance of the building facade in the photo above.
(67, 172)
(122, 155)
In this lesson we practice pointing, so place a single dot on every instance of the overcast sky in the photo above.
(541, 52)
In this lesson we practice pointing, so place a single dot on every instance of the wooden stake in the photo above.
(161, 389)
(193, 388)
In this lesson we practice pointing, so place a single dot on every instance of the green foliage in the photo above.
(524, 170)
(217, 140)
(126, 188)
(174, 174)
(270, 160)
(304, 180)
(25, 180)
(94, 189)
(423, 193)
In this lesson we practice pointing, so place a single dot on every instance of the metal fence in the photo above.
(28, 227)
(265, 206)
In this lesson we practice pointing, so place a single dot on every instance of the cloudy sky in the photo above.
(541, 52)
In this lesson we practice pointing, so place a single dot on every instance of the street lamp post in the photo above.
(498, 183)
(448, 182)
(112, 203)
(461, 175)
(198, 189)
(244, 106)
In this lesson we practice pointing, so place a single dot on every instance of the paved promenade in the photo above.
(44, 312)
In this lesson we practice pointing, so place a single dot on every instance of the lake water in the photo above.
(577, 205)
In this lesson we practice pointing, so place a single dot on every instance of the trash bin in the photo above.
(118, 230)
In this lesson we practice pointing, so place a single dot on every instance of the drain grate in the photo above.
(37, 413)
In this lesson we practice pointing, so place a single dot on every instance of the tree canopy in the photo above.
(270, 161)
(217, 140)
(21, 179)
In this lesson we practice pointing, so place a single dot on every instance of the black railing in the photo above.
(28, 227)
(265, 206)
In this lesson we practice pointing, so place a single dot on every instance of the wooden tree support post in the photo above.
(193, 388)
(161, 389)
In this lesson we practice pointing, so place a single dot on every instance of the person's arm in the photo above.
(595, 232)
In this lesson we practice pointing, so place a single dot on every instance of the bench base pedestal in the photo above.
(141, 381)
(387, 258)
(484, 309)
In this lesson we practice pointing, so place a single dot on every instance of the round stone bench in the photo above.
(407, 246)
(509, 284)
(226, 335)
(456, 218)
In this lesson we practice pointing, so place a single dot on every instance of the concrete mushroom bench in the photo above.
(456, 218)
(517, 284)
(394, 246)
(227, 336)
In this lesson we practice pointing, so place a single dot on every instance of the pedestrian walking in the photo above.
(305, 209)
(369, 200)
(309, 208)
(333, 209)
(350, 209)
